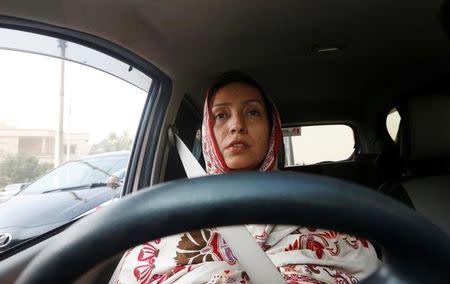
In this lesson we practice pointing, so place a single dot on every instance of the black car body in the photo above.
(74, 193)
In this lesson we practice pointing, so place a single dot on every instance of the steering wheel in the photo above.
(414, 250)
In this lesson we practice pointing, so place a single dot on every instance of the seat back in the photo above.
(425, 147)
(430, 195)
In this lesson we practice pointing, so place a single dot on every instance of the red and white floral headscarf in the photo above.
(215, 164)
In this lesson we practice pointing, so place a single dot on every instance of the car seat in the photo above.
(425, 151)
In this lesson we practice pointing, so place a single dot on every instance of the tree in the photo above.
(21, 168)
(113, 142)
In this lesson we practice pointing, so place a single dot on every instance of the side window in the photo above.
(68, 118)
(306, 145)
(393, 124)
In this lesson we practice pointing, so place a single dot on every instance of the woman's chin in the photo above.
(242, 166)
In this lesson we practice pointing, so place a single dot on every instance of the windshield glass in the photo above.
(81, 172)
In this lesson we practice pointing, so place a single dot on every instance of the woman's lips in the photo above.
(237, 147)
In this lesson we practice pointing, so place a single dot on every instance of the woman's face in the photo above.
(241, 125)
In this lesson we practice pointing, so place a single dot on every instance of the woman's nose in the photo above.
(237, 129)
(238, 125)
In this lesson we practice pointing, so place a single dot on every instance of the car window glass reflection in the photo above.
(78, 173)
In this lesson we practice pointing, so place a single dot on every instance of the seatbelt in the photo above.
(250, 255)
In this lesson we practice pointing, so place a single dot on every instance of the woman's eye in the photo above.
(254, 113)
(220, 116)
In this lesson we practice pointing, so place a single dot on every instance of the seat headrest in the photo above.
(428, 121)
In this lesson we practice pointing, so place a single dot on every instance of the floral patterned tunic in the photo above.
(302, 255)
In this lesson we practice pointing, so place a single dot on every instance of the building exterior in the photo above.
(40, 143)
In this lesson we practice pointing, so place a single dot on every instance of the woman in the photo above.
(242, 131)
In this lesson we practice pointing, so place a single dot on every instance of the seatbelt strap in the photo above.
(190, 164)
(250, 255)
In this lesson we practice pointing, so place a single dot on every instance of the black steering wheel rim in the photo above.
(416, 251)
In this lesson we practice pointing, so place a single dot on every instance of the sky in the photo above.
(96, 103)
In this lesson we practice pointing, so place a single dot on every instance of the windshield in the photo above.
(81, 172)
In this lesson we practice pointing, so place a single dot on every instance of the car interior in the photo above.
(322, 62)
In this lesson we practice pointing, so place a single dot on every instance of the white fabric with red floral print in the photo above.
(302, 255)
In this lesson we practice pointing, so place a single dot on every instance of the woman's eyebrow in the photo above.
(221, 104)
(252, 101)
(242, 103)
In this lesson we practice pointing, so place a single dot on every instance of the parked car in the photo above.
(322, 62)
(10, 190)
(62, 195)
